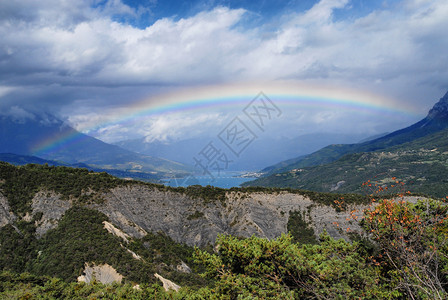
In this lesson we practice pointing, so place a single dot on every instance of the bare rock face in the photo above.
(102, 273)
(439, 111)
(6, 216)
(167, 284)
(265, 215)
(134, 255)
(52, 208)
(115, 231)
(183, 267)
(139, 209)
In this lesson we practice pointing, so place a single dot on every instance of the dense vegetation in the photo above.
(405, 258)
(20, 184)
(81, 237)
(29, 286)
(409, 259)
(402, 252)
(301, 232)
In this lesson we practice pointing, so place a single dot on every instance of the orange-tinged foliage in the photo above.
(412, 242)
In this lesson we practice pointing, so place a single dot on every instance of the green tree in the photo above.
(273, 269)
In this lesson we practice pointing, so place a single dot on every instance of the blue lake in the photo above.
(223, 180)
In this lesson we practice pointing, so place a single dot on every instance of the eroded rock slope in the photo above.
(138, 209)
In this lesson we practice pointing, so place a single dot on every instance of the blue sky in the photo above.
(85, 60)
(267, 11)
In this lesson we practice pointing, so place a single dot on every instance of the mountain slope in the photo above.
(70, 224)
(53, 220)
(193, 215)
(20, 160)
(422, 165)
(49, 138)
(436, 120)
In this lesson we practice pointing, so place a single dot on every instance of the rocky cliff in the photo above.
(439, 112)
(6, 216)
(137, 209)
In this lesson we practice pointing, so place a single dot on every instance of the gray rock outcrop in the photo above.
(136, 209)
(6, 216)
(167, 284)
(139, 209)
(183, 267)
(102, 273)
(52, 208)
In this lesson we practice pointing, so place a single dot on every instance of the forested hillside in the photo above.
(397, 249)
(421, 164)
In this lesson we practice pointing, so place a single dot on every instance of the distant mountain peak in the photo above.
(439, 112)
(46, 136)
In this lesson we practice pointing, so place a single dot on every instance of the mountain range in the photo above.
(46, 137)
(437, 119)
(415, 154)
(66, 227)
(42, 138)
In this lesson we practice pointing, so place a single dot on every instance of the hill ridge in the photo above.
(22, 137)
(436, 120)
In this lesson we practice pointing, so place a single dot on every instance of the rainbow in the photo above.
(235, 96)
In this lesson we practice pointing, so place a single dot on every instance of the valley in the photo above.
(66, 226)
(223, 150)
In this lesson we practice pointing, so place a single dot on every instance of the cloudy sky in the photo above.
(88, 61)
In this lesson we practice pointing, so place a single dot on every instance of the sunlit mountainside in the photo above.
(415, 154)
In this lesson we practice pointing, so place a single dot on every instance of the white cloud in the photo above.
(179, 126)
(106, 52)
(399, 50)
(110, 127)
(321, 12)
(114, 133)
(89, 121)
(93, 49)
(5, 90)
